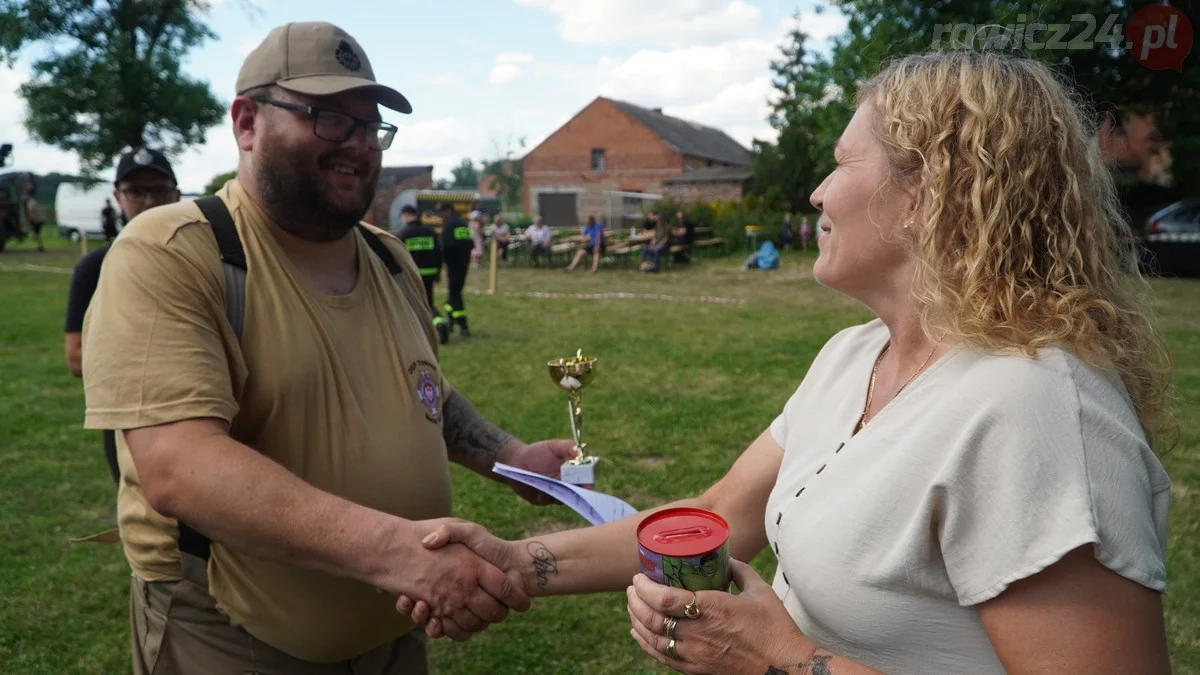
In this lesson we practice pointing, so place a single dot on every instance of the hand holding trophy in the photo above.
(572, 374)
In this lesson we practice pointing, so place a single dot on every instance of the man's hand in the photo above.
(545, 458)
(456, 584)
(503, 555)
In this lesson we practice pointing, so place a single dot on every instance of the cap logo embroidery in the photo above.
(346, 56)
(143, 157)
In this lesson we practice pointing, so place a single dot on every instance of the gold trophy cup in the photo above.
(571, 375)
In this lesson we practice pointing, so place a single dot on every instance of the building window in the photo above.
(597, 159)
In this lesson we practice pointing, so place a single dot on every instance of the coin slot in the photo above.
(682, 534)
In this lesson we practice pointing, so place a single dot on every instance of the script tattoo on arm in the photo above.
(818, 666)
(545, 565)
(471, 440)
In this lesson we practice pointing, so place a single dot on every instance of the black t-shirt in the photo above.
(108, 220)
(83, 287)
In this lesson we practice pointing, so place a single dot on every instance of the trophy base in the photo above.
(582, 474)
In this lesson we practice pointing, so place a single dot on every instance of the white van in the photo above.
(77, 209)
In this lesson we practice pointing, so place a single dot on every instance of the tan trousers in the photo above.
(177, 630)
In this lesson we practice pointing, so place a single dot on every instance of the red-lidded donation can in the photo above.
(686, 548)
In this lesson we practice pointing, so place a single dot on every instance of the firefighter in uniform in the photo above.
(457, 243)
(421, 241)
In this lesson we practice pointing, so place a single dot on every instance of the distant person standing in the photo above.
(422, 243)
(33, 214)
(475, 222)
(805, 233)
(786, 234)
(457, 244)
(144, 180)
(108, 220)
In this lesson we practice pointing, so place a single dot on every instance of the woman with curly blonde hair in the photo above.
(967, 483)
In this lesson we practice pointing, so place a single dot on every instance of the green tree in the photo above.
(808, 115)
(113, 79)
(1108, 77)
(466, 175)
(507, 175)
(219, 182)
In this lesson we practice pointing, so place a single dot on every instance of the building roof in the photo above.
(713, 174)
(390, 175)
(690, 138)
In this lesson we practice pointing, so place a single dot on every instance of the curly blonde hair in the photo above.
(1023, 242)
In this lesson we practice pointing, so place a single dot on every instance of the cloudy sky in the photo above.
(483, 73)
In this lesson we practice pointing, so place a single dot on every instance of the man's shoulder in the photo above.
(179, 230)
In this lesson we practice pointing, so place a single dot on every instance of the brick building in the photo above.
(1136, 148)
(609, 154)
(392, 181)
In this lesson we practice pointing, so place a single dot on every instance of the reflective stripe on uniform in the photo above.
(419, 244)
(462, 233)
(429, 271)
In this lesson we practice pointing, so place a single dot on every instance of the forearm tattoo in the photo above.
(471, 440)
(819, 665)
(545, 565)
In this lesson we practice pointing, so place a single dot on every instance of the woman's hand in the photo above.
(498, 552)
(748, 633)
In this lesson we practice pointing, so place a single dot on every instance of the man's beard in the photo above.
(299, 199)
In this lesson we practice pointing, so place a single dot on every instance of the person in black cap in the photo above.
(422, 242)
(144, 180)
(457, 242)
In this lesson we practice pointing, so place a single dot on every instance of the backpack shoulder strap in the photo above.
(380, 249)
(194, 546)
(389, 261)
(233, 258)
(418, 305)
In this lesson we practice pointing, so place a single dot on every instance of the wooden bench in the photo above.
(563, 249)
(711, 244)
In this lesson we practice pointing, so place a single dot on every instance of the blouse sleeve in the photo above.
(1050, 458)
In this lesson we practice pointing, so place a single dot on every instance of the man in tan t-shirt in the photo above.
(313, 451)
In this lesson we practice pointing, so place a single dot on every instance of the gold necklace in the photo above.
(862, 420)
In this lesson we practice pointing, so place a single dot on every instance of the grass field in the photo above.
(683, 387)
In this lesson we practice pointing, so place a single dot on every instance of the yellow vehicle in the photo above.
(426, 201)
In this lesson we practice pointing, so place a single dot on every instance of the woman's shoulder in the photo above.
(1015, 379)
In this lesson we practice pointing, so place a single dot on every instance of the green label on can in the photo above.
(708, 572)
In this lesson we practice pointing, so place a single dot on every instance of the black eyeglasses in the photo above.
(147, 191)
(331, 125)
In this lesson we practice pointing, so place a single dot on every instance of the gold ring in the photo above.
(669, 627)
(692, 611)
(671, 650)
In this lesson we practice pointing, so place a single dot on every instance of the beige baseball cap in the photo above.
(314, 58)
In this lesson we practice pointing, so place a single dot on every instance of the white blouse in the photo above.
(983, 471)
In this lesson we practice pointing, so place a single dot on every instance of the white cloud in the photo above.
(669, 22)
(509, 67)
(503, 73)
(820, 26)
(514, 57)
(196, 166)
(26, 155)
(734, 105)
(684, 76)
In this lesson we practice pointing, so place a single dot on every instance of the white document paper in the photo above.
(596, 507)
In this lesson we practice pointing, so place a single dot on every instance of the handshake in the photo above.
(464, 578)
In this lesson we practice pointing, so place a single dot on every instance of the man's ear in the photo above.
(244, 115)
